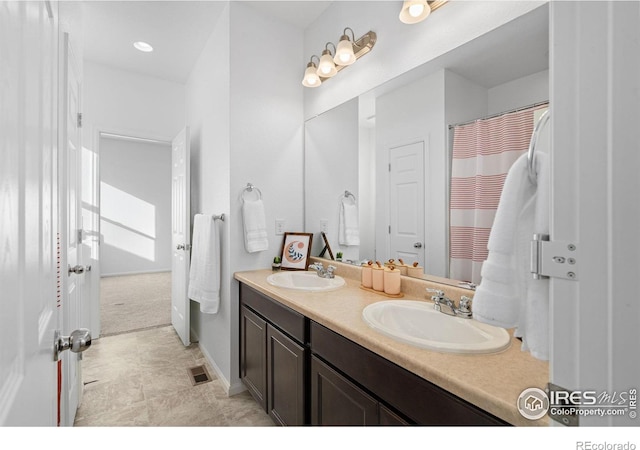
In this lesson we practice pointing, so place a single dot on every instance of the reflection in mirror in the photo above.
(392, 147)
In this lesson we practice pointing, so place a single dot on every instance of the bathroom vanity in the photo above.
(309, 358)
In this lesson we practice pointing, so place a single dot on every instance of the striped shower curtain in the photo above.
(483, 152)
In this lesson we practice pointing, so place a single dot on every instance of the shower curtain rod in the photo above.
(546, 102)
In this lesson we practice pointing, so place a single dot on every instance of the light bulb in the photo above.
(326, 67)
(416, 10)
(311, 78)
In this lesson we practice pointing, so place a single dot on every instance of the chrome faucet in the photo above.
(322, 272)
(440, 301)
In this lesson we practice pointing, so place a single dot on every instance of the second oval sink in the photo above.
(419, 324)
(305, 281)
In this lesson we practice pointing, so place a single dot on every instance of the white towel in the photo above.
(204, 275)
(348, 230)
(255, 226)
(507, 295)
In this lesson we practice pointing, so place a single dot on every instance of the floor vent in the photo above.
(198, 375)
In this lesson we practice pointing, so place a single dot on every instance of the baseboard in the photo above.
(231, 389)
(119, 274)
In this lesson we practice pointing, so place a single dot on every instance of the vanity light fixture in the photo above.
(326, 67)
(414, 11)
(143, 46)
(347, 52)
(311, 78)
(345, 55)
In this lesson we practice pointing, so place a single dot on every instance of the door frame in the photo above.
(95, 132)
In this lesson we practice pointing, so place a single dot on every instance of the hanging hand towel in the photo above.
(508, 296)
(348, 232)
(204, 275)
(534, 323)
(501, 290)
(255, 227)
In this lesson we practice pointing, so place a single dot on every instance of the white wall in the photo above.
(517, 93)
(207, 112)
(135, 206)
(244, 102)
(400, 47)
(129, 103)
(331, 167)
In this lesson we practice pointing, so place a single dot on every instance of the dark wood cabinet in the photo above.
(274, 357)
(253, 349)
(285, 379)
(303, 373)
(335, 401)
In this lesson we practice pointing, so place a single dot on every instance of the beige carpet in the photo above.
(134, 302)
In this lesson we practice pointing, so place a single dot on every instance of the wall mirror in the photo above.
(391, 147)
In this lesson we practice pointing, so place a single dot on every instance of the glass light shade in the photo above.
(326, 68)
(344, 52)
(414, 11)
(311, 78)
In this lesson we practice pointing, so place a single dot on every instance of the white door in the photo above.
(180, 235)
(28, 213)
(71, 228)
(406, 203)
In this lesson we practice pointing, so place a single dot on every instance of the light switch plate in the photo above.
(324, 225)
(280, 226)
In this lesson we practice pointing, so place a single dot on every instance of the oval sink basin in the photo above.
(305, 281)
(417, 323)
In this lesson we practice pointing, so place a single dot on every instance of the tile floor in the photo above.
(140, 379)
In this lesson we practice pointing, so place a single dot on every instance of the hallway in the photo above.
(140, 379)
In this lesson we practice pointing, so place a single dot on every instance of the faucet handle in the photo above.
(465, 304)
(331, 268)
(438, 293)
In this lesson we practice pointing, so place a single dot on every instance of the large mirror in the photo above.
(388, 152)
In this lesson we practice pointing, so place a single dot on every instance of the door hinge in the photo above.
(562, 405)
(79, 120)
(389, 229)
(553, 259)
(389, 167)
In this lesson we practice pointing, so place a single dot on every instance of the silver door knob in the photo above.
(77, 269)
(417, 245)
(79, 341)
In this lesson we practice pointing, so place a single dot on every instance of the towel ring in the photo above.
(349, 194)
(250, 188)
(531, 154)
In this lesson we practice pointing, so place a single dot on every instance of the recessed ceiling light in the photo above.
(143, 46)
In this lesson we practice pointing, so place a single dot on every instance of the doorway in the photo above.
(135, 233)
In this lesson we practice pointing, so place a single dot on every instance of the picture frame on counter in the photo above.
(296, 251)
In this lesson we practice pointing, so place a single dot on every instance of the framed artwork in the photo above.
(326, 247)
(296, 251)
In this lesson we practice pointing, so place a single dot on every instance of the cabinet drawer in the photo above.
(284, 318)
(413, 396)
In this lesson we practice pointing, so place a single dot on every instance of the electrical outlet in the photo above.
(279, 226)
(324, 225)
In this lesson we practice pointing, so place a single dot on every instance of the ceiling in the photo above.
(178, 31)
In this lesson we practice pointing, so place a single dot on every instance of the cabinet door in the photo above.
(336, 401)
(286, 379)
(389, 418)
(253, 362)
